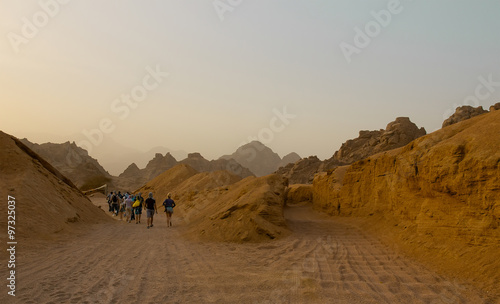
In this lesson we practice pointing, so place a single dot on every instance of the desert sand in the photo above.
(323, 260)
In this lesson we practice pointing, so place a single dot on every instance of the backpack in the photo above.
(114, 199)
(136, 204)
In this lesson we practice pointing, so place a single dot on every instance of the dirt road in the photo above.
(323, 261)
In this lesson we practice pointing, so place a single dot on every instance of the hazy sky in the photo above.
(333, 67)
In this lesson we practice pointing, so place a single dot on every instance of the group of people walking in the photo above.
(131, 207)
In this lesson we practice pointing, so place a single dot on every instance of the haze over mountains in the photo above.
(87, 173)
(107, 150)
(250, 159)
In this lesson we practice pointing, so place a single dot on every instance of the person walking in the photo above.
(169, 205)
(128, 207)
(138, 208)
(115, 204)
(150, 205)
(110, 195)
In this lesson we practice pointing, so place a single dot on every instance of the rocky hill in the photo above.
(290, 158)
(47, 201)
(200, 164)
(463, 113)
(302, 171)
(260, 159)
(439, 196)
(397, 134)
(73, 162)
(133, 177)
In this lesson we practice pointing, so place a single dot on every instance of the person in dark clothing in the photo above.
(150, 206)
(169, 205)
(115, 204)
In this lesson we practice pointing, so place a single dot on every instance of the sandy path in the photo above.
(323, 261)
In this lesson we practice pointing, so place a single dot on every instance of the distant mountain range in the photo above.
(106, 152)
(250, 159)
(133, 177)
(87, 173)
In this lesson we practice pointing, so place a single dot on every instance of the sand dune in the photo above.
(48, 204)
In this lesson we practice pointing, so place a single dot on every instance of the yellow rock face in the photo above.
(440, 191)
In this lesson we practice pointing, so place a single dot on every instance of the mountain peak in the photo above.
(259, 158)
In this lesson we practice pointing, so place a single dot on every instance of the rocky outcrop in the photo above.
(299, 194)
(397, 134)
(131, 171)
(495, 107)
(197, 162)
(441, 192)
(158, 165)
(260, 159)
(302, 171)
(463, 113)
(73, 162)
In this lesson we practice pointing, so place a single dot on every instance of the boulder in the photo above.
(463, 113)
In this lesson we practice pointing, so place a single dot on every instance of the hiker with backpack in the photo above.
(139, 201)
(169, 205)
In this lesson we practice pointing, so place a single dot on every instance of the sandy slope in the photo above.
(322, 261)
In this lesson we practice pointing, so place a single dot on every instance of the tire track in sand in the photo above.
(322, 261)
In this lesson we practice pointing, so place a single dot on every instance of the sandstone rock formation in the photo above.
(495, 107)
(441, 194)
(46, 201)
(302, 171)
(397, 134)
(260, 159)
(158, 165)
(463, 113)
(73, 162)
(299, 194)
